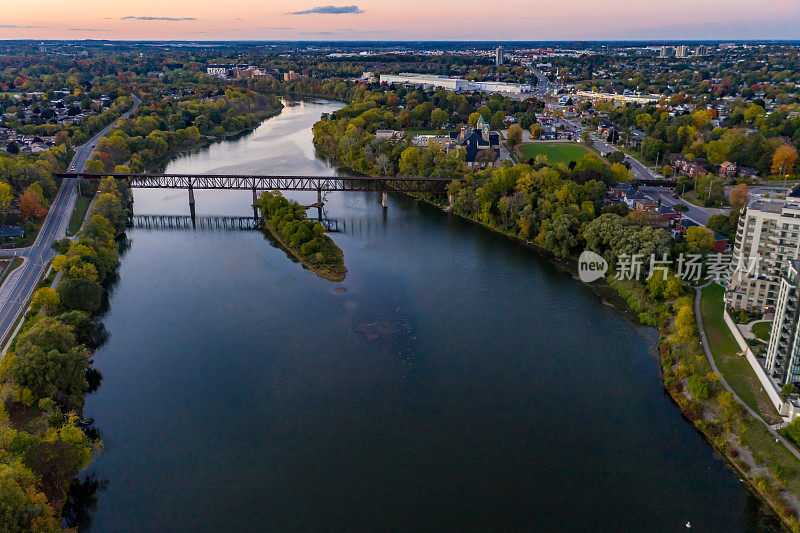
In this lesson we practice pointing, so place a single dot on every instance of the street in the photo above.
(695, 213)
(21, 283)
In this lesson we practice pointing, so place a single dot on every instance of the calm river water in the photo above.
(461, 382)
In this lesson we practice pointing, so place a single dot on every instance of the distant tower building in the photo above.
(682, 51)
(701, 50)
(498, 58)
(666, 51)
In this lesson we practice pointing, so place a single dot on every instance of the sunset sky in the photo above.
(409, 19)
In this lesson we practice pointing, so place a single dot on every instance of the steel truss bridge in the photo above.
(270, 183)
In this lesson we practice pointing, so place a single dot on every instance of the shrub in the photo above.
(698, 387)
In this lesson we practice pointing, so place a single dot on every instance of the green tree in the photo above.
(48, 361)
(514, 135)
(45, 298)
(5, 198)
(699, 239)
(80, 294)
(439, 118)
(94, 166)
(497, 120)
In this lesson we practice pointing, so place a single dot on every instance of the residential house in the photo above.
(727, 170)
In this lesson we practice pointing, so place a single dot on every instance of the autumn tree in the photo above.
(45, 298)
(684, 323)
(30, 204)
(783, 159)
(738, 196)
(5, 198)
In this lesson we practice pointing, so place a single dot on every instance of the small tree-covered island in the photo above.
(305, 239)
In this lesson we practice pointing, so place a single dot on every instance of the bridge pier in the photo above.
(319, 196)
(191, 203)
(255, 204)
(384, 200)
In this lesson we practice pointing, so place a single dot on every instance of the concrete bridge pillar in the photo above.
(255, 204)
(384, 199)
(451, 199)
(191, 203)
(319, 196)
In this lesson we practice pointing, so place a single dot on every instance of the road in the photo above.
(544, 85)
(21, 283)
(82, 153)
(695, 213)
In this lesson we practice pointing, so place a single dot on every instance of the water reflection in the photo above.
(81, 501)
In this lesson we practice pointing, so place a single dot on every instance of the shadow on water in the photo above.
(81, 501)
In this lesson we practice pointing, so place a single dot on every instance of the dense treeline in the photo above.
(349, 133)
(44, 376)
(27, 186)
(164, 126)
(750, 136)
(553, 206)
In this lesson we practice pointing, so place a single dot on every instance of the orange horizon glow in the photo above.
(409, 20)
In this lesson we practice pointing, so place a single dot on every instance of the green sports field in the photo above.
(555, 152)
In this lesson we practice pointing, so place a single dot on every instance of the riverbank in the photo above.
(728, 430)
(207, 140)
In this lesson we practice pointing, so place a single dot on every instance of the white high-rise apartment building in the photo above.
(783, 355)
(768, 234)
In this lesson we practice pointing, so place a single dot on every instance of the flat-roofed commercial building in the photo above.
(455, 84)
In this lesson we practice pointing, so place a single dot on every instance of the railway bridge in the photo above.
(257, 183)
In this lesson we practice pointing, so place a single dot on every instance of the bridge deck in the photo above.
(264, 183)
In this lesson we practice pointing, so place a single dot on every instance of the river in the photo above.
(459, 382)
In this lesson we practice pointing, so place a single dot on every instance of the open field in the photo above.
(562, 152)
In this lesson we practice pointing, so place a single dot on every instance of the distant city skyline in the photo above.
(409, 20)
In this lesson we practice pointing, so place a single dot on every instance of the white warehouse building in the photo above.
(455, 84)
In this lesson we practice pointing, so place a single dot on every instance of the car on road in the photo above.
(675, 196)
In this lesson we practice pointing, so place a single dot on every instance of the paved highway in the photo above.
(20, 284)
(544, 85)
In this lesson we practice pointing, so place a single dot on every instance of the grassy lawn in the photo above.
(15, 262)
(78, 214)
(555, 152)
(761, 440)
(761, 330)
(737, 371)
